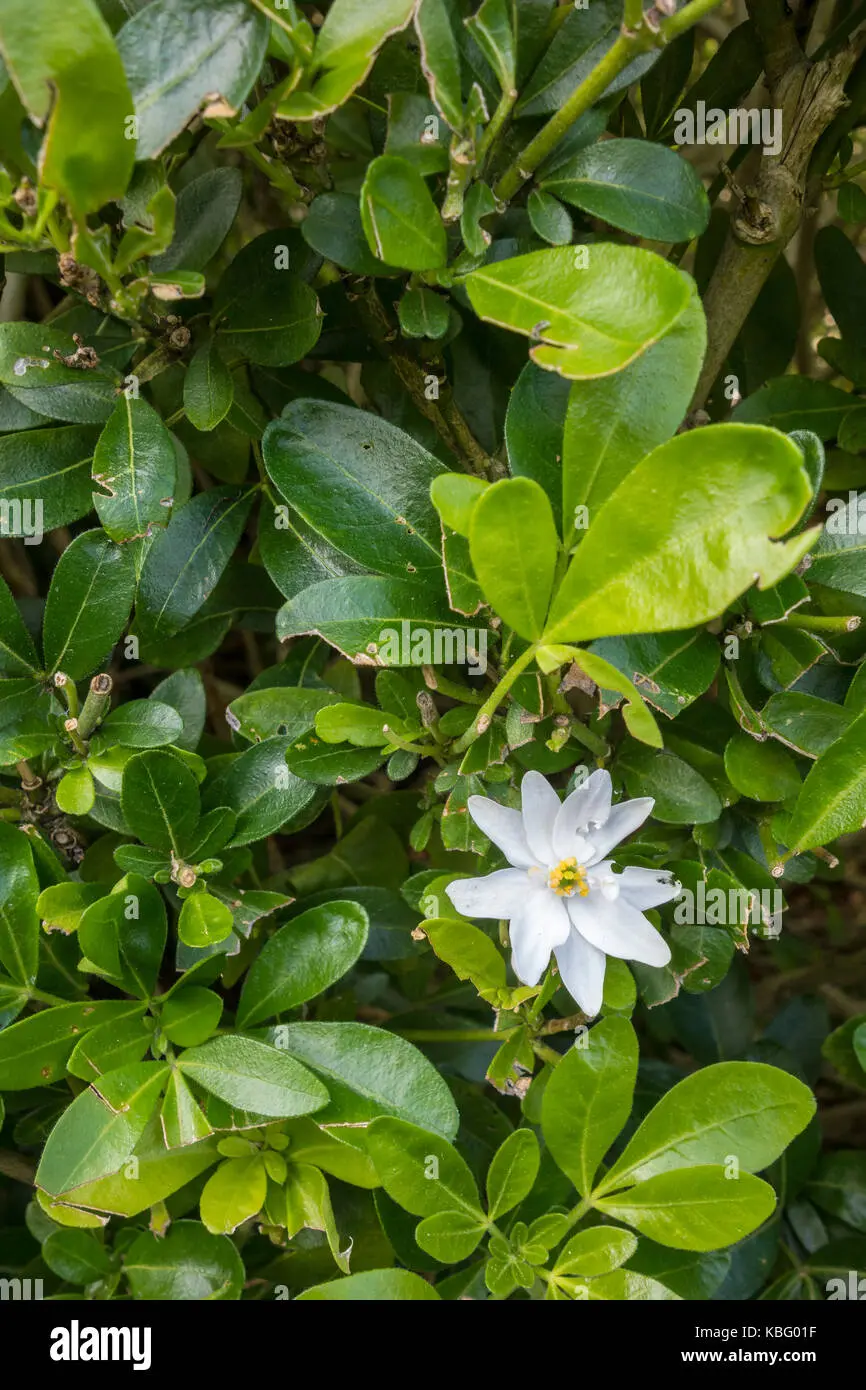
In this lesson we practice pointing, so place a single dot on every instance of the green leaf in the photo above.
(180, 54)
(185, 1264)
(97, 1133)
(423, 314)
(265, 795)
(182, 1118)
(599, 1250)
(832, 800)
(450, 1236)
(234, 1193)
(111, 1046)
(206, 208)
(334, 229)
(645, 566)
(615, 421)
(589, 310)
(578, 45)
(253, 1076)
(796, 403)
(670, 669)
(185, 560)
(805, 723)
(204, 920)
(158, 1172)
(67, 72)
(644, 189)
(265, 310)
(359, 481)
(140, 724)
(374, 1285)
(88, 604)
(370, 1072)
(682, 796)
(302, 960)
(34, 376)
(160, 800)
(588, 1099)
(184, 691)
(75, 793)
(694, 1208)
(638, 720)
(350, 35)
(18, 656)
(52, 465)
(422, 1173)
(440, 59)
(190, 1016)
(762, 771)
(362, 726)
(287, 710)
(136, 465)
(34, 1051)
(76, 1256)
(512, 1172)
(208, 388)
(401, 222)
(454, 496)
(514, 549)
(19, 923)
(746, 1109)
(550, 220)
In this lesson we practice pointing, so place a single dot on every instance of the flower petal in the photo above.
(496, 895)
(541, 806)
(623, 819)
(643, 888)
(582, 969)
(589, 802)
(504, 826)
(618, 929)
(538, 925)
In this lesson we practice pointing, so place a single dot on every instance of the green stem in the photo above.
(627, 47)
(424, 750)
(495, 128)
(490, 706)
(547, 1054)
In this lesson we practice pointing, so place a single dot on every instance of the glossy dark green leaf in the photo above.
(360, 482)
(206, 209)
(160, 799)
(186, 1263)
(19, 924)
(36, 378)
(88, 604)
(264, 308)
(180, 54)
(644, 189)
(18, 655)
(208, 388)
(440, 59)
(832, 801)
(52, 466)
(303, 959)
(264, 794)
(588, 1099)
(186, 560)
(34, 1051)
(135, 465)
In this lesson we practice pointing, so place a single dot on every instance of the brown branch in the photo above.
(772, 209)
(442, 412)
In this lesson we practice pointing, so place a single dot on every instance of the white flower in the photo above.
(561, 893)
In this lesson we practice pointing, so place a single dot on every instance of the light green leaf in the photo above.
(401, 222)
(514, 549)
(588, 1099)
(589, 310)
(694, 1208)
(253, 1076)
(685, 533)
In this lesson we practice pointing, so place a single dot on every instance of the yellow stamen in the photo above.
(568, 878)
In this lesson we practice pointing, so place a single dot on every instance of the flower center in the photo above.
(568, 878)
